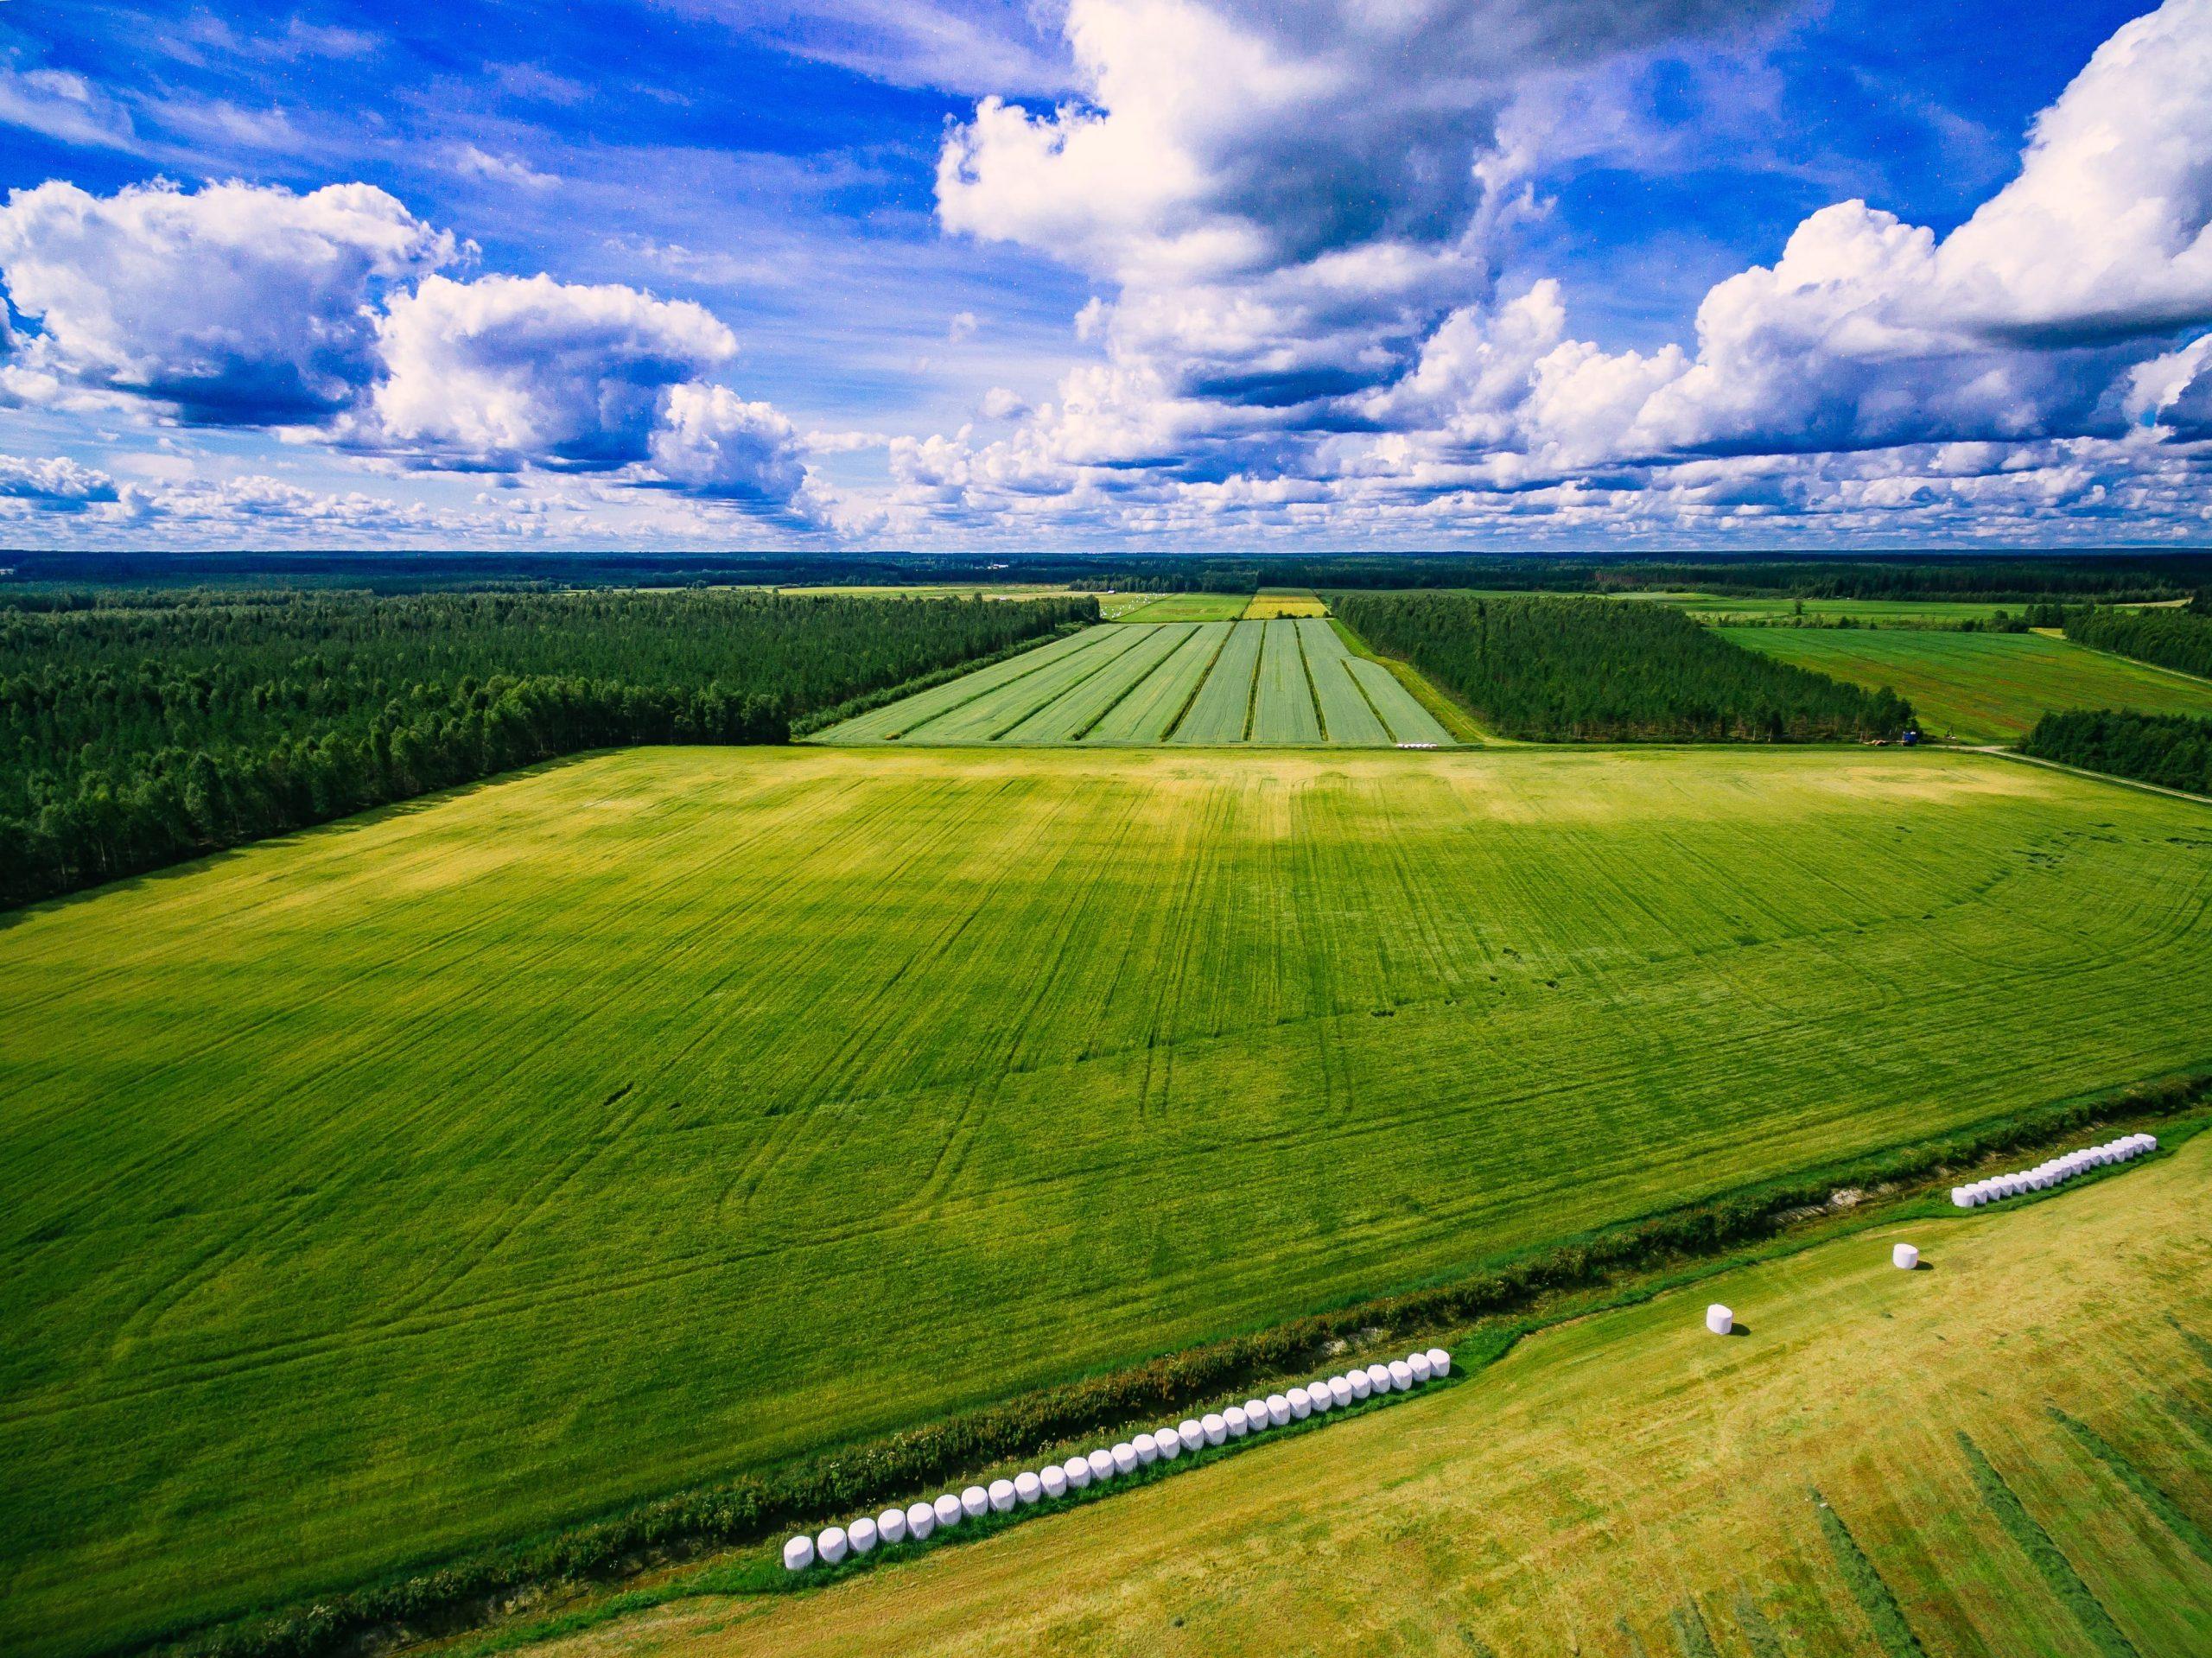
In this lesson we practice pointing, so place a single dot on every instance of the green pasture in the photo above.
(427, 1180)
(1286, 683)
(2008, 1452)
(1983, 688)
(1179, 607)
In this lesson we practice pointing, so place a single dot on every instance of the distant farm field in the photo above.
(1289, 682)
(1182, 607)
(1271, 602)
(1981, 687)
(1629, 1484)
(426, 1180)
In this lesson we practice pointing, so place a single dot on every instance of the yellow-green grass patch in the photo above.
(424, 1181)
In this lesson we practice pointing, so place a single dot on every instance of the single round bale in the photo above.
(1319, 1396)
(798, 1553)
(1278, 1410)
(1101, 1465)
(1054, 1479)
(1257, 1415)
(1360, 1382)
(1904, 1257)
(1078, 1470)
(1192, 1431)
(1147, 1449)
(1300, 1405)
(1027, 1488)
(974, 1503)
(861, 1535)
(1378, 1377)
(948, 1509)
(1402, 1376)
(1216, 1429)
(830, 1544)
(1340, 1389)
(1125, 1458)
(1439, 1361)
(891, 1524)
(1002, 1495)
(1718, 1319)
(1168, 1444)
(1237, 1421)
(921, 1520)
(1418, 1363)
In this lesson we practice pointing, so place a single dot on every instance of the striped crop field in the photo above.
(424, 1181)
(2008, 1454)
(1286, 683)
(1986, 688)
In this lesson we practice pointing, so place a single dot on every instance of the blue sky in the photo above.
(1145, 273)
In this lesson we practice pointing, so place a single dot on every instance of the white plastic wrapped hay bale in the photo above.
(829, 1545)
(1439, 1361)
(1319, 1396)
(1300, 1405)
(1237, 1420)
(976, 1501)
(798, 1553)
(1278, 1410)
(1378, 1378)
(1718, 1319)
(1402, 1376)
(1168, 1444)
(921, 1520)
(1000, 1492)
(1148, 1450)
(891, 1524)
(1078, 1470)
(1192, 1432)
(1102, 1466)
(2149, 1142)
(1216, 1429)
(1340, 1390)
(861, 1535)
(1418, 1363)
(1028, 1486)
(948, 1510)
(1053, 1479)
(1257, 1415)
(1360, 1382)
(1125, 1458)
(1905, 1258)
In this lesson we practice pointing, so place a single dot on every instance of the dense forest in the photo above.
(133, 737)
(2172, 750)
(1585, 670)
(2170, 638)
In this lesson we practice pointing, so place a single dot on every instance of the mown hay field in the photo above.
(2009, 1452)
(426, 1180)
(1290, 683)
(1987, 687)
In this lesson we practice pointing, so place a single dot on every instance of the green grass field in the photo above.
(1629, 1486)
(1288, 682)
(1268, 603)
(1182, 607)
(426, 1180)
(1982, 687)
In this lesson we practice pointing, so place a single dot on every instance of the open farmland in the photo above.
(1981, 687)
(1184, 607)
(1499, 1515)
(1289, 682)
(1271, 602)
(651, 1117)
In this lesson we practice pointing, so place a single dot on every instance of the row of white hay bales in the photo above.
(918, 1520)
(2055, 1172)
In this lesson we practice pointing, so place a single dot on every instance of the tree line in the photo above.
(1595, 670)
(2171, 638)
(2172, 750)
(133, 737)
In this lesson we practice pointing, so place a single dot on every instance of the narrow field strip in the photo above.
(1149, 712)
(999, 710)
(1218, 713)
(1346, 714)
(1069, 715)
(1409, 723)
(1283, 711)
(894, 719)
